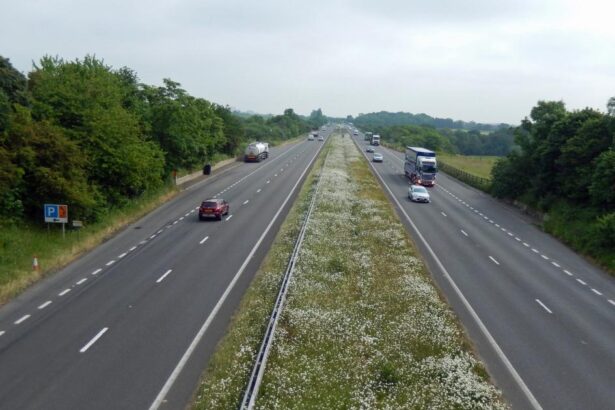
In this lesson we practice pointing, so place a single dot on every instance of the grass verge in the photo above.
(363, 326)
(19, 243)
(476, 165)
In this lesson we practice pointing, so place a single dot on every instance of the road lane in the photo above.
(565, 357)
(151, 302)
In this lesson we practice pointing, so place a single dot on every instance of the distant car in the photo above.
(213, 208)
(418, 193)
(369, 149)
(321, 138)
(310, 137)
(377, 157)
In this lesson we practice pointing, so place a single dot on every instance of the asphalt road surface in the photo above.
(541, 317)
(131, 324)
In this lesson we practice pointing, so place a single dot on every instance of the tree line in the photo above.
(385, 119)
(84, 134)
(565, 166)
(498, 142)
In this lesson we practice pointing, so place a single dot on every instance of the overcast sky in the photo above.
(481, 60)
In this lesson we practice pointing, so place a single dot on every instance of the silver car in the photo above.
(418, 193)
(377, 157)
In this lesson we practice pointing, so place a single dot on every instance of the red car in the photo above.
(213, 208)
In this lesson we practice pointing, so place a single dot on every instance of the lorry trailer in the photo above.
(256, 151)
(421, 166)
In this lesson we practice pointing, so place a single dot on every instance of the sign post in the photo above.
(55, 213)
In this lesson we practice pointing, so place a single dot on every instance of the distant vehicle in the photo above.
(368, 136)
(321, 138)
(310, 137)
(377, 157)
(375, 140)
(355, 133)
(213, 208)
(256, 151)
(369, 149)
(418, 193)
(421, 166)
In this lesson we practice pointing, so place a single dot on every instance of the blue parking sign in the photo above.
(51, 212)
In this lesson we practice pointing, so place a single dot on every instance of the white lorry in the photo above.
(375, 140)
(256, 151)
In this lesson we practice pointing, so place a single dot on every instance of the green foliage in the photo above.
(565, 166)
(389, 119)
(602, 188)
(415, 135)
(81, 133)
(508, 180)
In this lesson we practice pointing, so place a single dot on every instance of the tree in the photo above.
(602, 188)
(610, 106)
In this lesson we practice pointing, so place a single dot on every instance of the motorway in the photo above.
(131, 324)
(540, 316)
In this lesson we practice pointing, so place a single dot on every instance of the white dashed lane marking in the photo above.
(94, 339)
(597, 292)
(463, 232)
(203, 240)
(96, 271)
(160, 279)
(494, 261)
(82, 281)
(64, 292)
(258, 190)
(110, 263)
(246, 202)
(544, 306)
(443, 214)
(122, 255)
(568, 272)
(22, 319)
(581, 282)
(44, 305)
(228, 217)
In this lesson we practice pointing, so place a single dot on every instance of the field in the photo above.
(363, 325)
(479, 166)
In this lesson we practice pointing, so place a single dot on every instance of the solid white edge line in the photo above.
(494, 261)
(203, 240)
(544, 306)
(93, 340)
(44, 305)
(22, 319)
(184, 359)
(160, 279)
(500, 353)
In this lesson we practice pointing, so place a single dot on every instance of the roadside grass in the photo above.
(363, 325)
(19, 243)
(473, 164)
